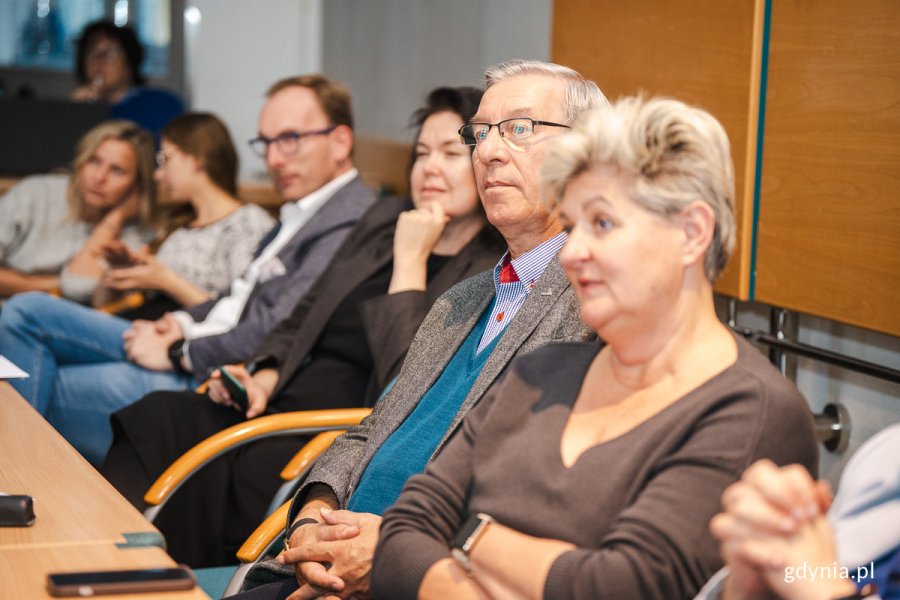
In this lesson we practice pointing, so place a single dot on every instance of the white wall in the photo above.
(873, 403)
(238, 49)
(392, 52)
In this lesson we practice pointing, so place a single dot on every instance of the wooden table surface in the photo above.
(23, 571)
(82, 523)
(73, 503)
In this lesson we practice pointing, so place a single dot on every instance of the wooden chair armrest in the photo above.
(268, 530)
(301, 422)
(127, 302)
(309, 453)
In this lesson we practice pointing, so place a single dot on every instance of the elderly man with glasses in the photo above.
(465, 343)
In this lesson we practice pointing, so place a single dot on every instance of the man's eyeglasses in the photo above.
(287, 143)
(513, 130)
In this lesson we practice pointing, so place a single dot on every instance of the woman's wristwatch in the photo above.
(466, 538)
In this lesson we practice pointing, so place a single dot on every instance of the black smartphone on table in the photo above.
(236, 389)
(90, 583)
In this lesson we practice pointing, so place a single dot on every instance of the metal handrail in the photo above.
(833, 424)
(820, 354)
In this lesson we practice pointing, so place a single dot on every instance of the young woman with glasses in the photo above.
(211, 236)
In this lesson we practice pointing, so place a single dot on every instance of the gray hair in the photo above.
(675, 152)
(581, 94)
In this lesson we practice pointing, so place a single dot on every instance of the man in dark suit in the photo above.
(306, 138)
(465, 343)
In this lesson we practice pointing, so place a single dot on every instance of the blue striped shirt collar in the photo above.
(530, 265)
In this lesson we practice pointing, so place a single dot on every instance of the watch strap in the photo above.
(463, 559)
(466, 538)
(176, 351)
(294, 527)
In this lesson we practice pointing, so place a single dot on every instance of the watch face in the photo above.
(465, 532)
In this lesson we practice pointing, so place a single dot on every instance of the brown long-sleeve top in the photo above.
(637, 507)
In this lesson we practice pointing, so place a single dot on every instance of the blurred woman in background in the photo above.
(107, 62)
(442, 240)
(210, 235)
(108, 69)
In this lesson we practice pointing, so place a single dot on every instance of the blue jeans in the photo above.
(79, 373)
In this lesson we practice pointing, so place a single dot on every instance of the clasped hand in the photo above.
(333, 558)
(147, 343)
(774, 519)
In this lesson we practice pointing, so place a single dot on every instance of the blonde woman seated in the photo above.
(68, 348)
(592, 471)
(53, 227)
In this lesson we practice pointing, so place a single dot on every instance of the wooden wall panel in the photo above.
(383, 163)
(829, 223)
(704, 52)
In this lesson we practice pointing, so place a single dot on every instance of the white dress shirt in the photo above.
(227, 311)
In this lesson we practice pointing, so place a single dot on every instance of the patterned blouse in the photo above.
(211, 256)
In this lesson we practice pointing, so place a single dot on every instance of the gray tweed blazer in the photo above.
(549, 314)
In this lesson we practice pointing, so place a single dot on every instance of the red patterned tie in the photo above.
(507, 273)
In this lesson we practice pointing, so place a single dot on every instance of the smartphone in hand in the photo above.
(236, 389)
(117, 256)
(89, 583)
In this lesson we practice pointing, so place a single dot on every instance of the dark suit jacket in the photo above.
(367, 251)
(304, 258)
(324, 361)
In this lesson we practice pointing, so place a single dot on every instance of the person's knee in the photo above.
(19, 311)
